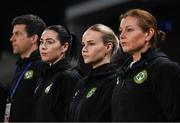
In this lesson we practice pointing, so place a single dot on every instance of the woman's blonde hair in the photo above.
(108, 35)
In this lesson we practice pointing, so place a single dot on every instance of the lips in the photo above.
(85, 56)
(43, 54)
(123, 44)
(14, 45)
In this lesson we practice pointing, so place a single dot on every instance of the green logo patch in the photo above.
(91, 92)
(140, 77)
(28, 74)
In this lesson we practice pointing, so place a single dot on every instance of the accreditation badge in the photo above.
(7, 112)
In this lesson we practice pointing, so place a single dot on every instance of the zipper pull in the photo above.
(117, 82)
(123, 84)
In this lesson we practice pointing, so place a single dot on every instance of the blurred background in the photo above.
(77, 15)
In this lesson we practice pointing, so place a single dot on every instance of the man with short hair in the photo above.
(26, 32)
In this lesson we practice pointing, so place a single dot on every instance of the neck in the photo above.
(137, 55)
(104, 61)
(54, 62)
(28, 53)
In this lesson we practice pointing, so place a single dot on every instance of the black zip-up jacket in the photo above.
(149, 90)
(55, 91)
(3, 97)
(92, 98)
(23, 98)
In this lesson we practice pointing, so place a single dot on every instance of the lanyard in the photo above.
(13, 89)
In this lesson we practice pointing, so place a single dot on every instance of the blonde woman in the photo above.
(92, 99)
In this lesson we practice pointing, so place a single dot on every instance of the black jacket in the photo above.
(23, 101)
(3, 96)
(149, 90)
(92, 98)
(55, 92)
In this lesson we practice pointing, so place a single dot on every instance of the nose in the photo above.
(12, 38)
(121, 35)
(84, 50)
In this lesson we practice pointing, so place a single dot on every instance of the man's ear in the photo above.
(34, 38)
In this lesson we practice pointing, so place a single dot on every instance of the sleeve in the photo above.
(167, 83)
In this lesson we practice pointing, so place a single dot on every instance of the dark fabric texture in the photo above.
(3, 96)
(55, 91)
(92, 96)
(156, 98)
(23, 99)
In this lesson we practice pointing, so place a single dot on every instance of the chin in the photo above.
(125, 50)
(86, 62)
(45, 60)
(15, 52)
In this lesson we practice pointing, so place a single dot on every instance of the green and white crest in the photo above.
(140, 77)
(48, 88)
(28, 74)
(91, 92)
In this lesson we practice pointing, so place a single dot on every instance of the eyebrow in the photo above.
(120, 28)
(127, 26)
(48, 39)
(88, 41)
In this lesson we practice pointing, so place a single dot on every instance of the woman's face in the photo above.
(94, 50)
(132, 37)
(50, 47)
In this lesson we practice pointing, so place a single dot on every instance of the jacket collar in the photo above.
(34, 56)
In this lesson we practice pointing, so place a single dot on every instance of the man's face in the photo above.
(21, 43)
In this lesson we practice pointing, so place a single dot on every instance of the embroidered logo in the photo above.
(91, 92)
(140, 77)
(28, 74)
(48, 88)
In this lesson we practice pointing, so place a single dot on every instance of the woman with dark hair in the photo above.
(58, 49)
(148, 88)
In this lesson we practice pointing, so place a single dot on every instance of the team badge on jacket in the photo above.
(28, 74)
(91, 92)
(140, 77)
(48, 88)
